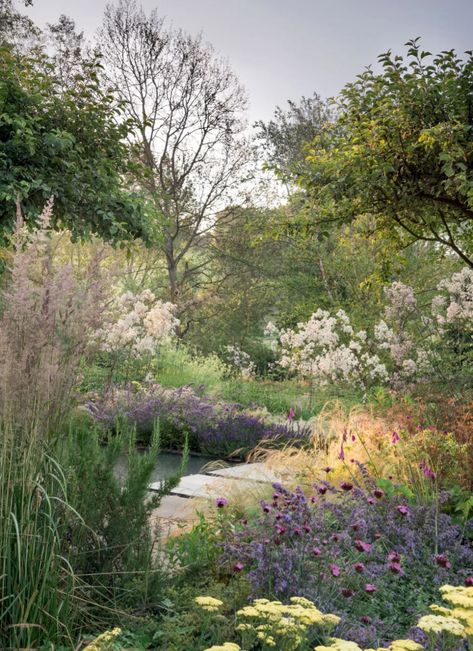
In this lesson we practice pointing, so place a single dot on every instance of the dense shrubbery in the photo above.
(376, 561)
(212, 428)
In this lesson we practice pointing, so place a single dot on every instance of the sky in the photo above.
(284, 49)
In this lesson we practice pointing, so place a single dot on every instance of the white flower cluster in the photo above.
(327, 350)
(241, 361)
(137, 323)
(454, 305)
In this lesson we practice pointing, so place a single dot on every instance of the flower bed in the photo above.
(217, 429)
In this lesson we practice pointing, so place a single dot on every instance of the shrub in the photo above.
(216, 429)
(373, 560)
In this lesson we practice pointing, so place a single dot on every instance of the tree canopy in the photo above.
(401, 150)
(66, 141)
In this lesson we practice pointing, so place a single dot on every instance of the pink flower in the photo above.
(346, 592)
(370, 588)
(280, 529)
(291, 414)
(366, 619)
(334, 569)
(378, 493)
(394, 557)
(371, 500)
(359, 567)
(221, 502)
(238, 566)
(316, 551)
(395, 567)
(341, 454)
(442, 560)
(328, 469)
(427, 471)
(346, 486)
(402, 509)
(395, 438)
(469, 581)
(362, 546)
(322, 490)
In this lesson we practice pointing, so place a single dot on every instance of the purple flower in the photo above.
(362, 546)
(341, 454)
(394, 557)
(378, 493)
(426, 470)
(346, 486)
(442, 560)
(395, 567)
(359, 567)
(328, 469)
(346, 592)
(322, 490)
(334, 569)
(316, 551)
(395, 438)
(366, 619)
(402, 509)
(238, 566)
(370, 588)
(291, 414)
(221, 502)
(469, 581)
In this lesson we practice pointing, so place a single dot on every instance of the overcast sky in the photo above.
(283, 49)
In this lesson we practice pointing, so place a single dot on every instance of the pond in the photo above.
(167, 463)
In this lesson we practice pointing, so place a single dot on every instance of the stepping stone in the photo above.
(209, 487)
(173, 507)
(251, 471)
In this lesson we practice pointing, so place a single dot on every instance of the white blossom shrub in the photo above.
(240, 362)
(137, 324)
(406, 346)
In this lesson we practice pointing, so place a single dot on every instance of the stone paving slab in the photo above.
(209, 487)
(174, 507)
(253, 471)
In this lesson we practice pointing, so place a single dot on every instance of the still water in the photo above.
(167, 464)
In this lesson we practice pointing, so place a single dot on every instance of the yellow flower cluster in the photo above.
(209, 604)
(441, 624)
(226, 646)
(282, 626)
(461, 598)
(104, 641)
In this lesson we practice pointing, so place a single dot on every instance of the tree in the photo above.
(285, 137)
(401, 151)
(66, 141)
(185, 106)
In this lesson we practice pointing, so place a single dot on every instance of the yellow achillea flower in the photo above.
(404, 645)
(441, 624)
(104, 640)
(339, 645)
(458, 595)
(226, 646)
(209, 604)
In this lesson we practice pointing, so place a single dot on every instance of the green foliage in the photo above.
(66, 142)
(401, 151)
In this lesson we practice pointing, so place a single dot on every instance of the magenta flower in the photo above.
(359, 567)
(355, 526)
(346, 486)
(394, 557)
(341, 454)
(221, 502)
(426, 470)
(469, 581)
(378, 493)
(395, 438)
(280, 529)
(266, 508)
(291, 414)
(395, 568)
(238, 566)
(442, 560)
(322, 490)
(371, 500)
(366, 619)
(370, 588)
(328, 469)
(316, 551)
(334, 569)
(297, 531)
(362, 546)
(346, 592)
(307, 528)
(402, 509)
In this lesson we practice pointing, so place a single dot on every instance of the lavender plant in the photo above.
(212, 428)
(375, 561)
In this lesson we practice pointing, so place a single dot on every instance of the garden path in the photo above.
(194, 493)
